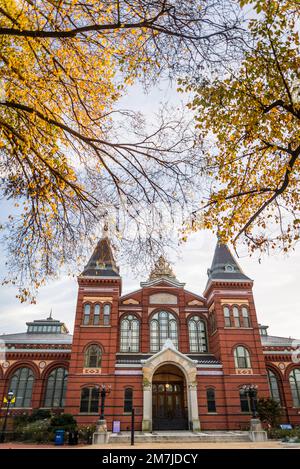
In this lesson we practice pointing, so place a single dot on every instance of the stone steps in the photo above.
(184, 436)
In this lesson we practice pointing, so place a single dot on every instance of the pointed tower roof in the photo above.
(102, 263)
(224, 266)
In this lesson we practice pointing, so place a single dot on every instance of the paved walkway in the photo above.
(160, 446)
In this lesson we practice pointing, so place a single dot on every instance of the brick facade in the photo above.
(197, 371)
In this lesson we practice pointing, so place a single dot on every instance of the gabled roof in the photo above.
(172, 281)
(101, 263)
(224, 266)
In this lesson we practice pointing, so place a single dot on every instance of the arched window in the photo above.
(92, 357)
(86, 314)
(294, 379)
(163, 326)
(89, 402)
(21, 384)
(241, 357)
(274, 386)
(236, 317)
(197, 335)
(96, 315)
(227, 319)
(129, 334)
(56, 388)
(106, 314)
(211, 400)
(128, 397)
(246, 319)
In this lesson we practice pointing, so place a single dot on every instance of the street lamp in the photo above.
(10, 399)
(104, 390)
(251, 391)
(101, 436)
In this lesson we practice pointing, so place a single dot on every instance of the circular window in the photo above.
(229, 268)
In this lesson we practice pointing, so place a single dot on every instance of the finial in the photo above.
(50, 316)
(161, 268)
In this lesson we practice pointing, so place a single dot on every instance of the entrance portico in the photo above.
(169, 355)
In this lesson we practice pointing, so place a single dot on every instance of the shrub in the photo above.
(20, 421)
(280, 434)
(269, 411)
(63, 422)
(37, 431)
(86, 433)
(39, 414)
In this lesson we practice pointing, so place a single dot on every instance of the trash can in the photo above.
(73, 438)
(59, 437)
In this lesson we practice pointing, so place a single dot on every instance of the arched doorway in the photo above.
(169, 399)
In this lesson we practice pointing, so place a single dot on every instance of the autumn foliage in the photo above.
(248, 120)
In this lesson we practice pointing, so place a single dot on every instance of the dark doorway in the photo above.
(169, 409)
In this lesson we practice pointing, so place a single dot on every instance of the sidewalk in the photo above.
(160, 446)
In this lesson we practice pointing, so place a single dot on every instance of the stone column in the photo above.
(147, 407)
(193, 407)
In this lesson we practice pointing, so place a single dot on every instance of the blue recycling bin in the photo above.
(59, 437)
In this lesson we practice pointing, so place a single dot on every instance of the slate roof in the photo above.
(102, 263)
(25, 338)
(275, 341)
(224, 266)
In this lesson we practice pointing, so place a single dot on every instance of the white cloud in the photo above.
(276, 288)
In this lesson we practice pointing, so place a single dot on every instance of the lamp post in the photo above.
(101, 435)
(10, 399)
(251, 392)
(104, 390)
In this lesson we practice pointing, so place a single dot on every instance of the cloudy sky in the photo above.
(276, 278)
(276, 289)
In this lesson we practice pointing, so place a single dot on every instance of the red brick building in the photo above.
(179, 358)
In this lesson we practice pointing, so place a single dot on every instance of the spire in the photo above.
(161, 268)
(102, 263)
(50, 316)
(224, 266)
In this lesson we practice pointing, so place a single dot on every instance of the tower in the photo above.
(95, 332)
(234, 331)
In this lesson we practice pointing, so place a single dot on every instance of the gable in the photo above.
(130, 301)
(163, 298)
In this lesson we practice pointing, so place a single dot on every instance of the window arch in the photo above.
(56, 388)
(241, 357)
(86, 314)
(274, 386)
(92, 357)
(197, 334)
(294, 379)
(227, 318)
(21, 384)
(89, 400)
(211, 400)
(129, 334)
(246, 319)
(163, 326)
(236, 316)
(106, 314)
(128, 398)
(96, 320)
